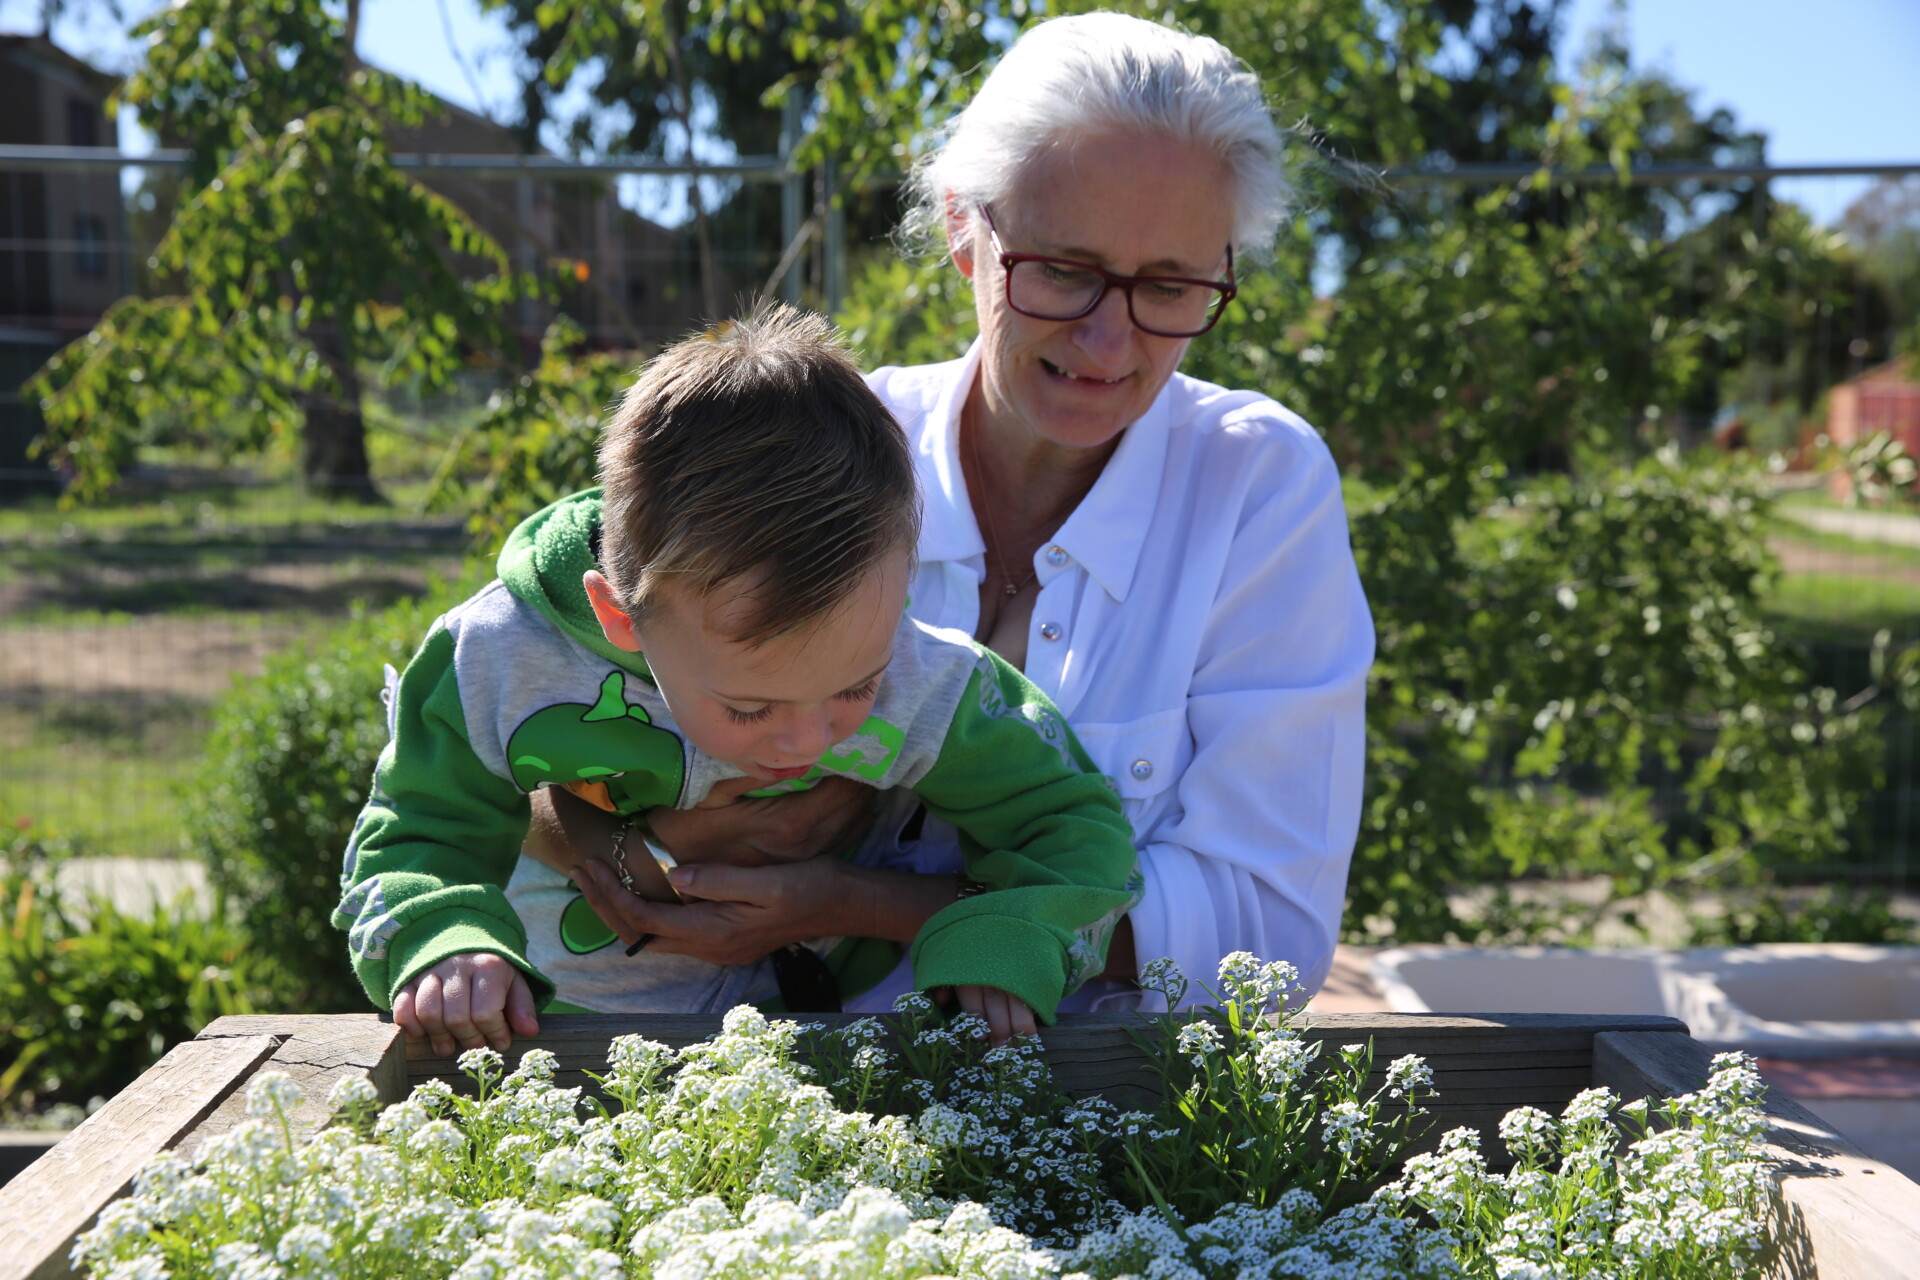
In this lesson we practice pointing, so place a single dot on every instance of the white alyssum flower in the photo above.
(1407, 1075)
(351, 1091)
(273, 1093)
(1198, 1040)
(736, 1158)
(1344, 1127)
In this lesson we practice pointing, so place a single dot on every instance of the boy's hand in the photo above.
(1007, 1015)
(467, 1001)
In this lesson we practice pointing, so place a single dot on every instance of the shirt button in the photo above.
(1049, 631)
(1056, 556)
(1142, 769)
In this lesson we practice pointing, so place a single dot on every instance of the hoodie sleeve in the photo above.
(1042, 827)
(426, 871)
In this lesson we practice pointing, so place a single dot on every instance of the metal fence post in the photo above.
(793, 192)
(833, 266)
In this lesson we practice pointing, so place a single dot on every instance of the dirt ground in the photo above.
(191, 656)
(183, 626)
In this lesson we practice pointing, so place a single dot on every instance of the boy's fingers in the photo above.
(491, 987)
(429, 1005)
(1024, 1023)
(456, 1010)
(520, 1011)
(404, 1016)
(973, 1000)
(999, 1017)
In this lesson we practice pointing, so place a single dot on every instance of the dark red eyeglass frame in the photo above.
(1227, 289)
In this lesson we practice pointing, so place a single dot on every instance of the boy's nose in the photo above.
(807, 735)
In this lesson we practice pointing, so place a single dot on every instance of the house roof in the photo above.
(1897, 370)
(44, 50)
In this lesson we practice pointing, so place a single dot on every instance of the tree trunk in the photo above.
(334, 444)
(702, 230)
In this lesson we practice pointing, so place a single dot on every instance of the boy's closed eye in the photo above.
(858, 694)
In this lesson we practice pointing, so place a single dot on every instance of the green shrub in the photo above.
(286, 770)
(91, 996)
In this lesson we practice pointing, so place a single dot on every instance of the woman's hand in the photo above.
(576, 839)
(735, 915)
(835, 814)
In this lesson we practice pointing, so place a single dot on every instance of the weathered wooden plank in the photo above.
(43, 1209)
(315, 1051)
(1840, 1215)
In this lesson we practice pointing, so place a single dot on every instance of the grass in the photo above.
(1836, 607)
(174, 590)
(105, 774)
(212, 508)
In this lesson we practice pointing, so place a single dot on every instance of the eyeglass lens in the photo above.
(1055, 291)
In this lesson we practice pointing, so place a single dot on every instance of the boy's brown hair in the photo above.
(755, 447)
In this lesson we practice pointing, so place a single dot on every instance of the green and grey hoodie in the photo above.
(517, 688)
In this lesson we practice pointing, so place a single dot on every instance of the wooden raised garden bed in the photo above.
(1843, 1215)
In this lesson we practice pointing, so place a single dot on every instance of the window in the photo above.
(90, 237)
(83, 123)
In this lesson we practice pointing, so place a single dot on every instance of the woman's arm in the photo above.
(736, 915)
(576, 839)
(1254, 857)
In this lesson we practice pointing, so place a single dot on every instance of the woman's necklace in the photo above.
(971, 430)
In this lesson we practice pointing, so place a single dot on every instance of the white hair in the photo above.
(1101, 73)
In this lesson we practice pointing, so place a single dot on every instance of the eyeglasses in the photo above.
(1062, 289)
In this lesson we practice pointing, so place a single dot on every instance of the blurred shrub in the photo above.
(286, 770)
(1830, 913)
(1879, 469)
(91, 996)
(535, 442)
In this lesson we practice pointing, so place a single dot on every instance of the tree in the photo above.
(301, 262)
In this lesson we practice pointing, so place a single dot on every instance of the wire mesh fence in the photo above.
(122, 626)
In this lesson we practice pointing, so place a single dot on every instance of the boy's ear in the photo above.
(608, 612)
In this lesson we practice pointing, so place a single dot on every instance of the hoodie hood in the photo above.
(543, 561)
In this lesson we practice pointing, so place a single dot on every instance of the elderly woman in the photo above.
(1167, 559)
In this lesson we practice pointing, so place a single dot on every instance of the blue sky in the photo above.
(1837, 81)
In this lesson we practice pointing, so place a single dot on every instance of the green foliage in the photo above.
(1830, 913)
(91, 996)
(535, 442)
(1880, 469)
(286, 770)
(299, 261)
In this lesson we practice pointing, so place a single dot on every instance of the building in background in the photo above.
(627, 281)
(68, 251)
(62, 235)
(1884, 398)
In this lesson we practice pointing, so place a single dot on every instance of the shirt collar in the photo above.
(1104, 533)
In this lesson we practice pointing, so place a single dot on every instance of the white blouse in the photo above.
(1201, 625)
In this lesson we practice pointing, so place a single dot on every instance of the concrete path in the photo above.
(1892, 527)
(133, 885)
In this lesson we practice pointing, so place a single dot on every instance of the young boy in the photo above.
(727, 612)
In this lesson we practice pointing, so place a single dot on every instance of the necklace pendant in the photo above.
(1012, 591)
